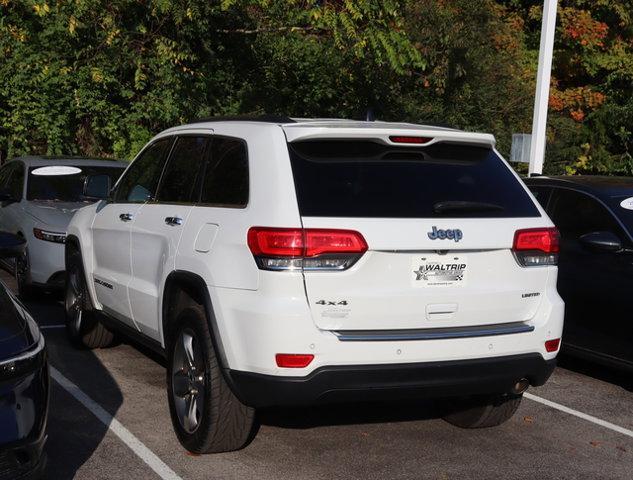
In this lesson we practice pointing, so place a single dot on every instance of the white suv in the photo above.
(276, 261)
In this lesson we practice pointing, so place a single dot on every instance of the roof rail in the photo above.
(266, 118)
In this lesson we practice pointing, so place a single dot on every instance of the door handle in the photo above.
(173, 221)
(125, 217)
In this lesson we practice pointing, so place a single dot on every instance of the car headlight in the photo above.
(24, 363)
(48, 236)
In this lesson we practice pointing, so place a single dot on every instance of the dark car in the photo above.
(24, 383)
(595, 268)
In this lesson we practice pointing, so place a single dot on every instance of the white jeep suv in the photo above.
(276, 261)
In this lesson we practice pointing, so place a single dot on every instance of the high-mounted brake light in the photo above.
(536, 246)
(305, 248)
(408, 139)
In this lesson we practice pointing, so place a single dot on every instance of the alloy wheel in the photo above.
(188, 380)
(74, 300)
(22, 270)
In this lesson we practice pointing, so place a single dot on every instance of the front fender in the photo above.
(80, 231)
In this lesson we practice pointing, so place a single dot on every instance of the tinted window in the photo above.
(180, 174)
(5, 171)
(15, 185)
(337, 178)
(576, 213)
(624, 214)
(225, 181)
(542, 194)
(141, 178)
(66, 188)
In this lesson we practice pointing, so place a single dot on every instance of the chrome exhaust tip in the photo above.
(520, 386)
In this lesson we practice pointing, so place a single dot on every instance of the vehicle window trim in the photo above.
(199, 203)
(196, 188)
(594, 197)
(116, 186)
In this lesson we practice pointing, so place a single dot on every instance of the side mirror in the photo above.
(601, 242)
(7, 197)
(97, 186)
(11, 246)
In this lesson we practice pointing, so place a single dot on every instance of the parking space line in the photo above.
(127, 437)
(584, 416)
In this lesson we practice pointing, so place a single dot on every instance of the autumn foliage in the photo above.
(101, 77)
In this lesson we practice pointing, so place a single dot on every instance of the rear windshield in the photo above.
(341, 178)
(66, 184)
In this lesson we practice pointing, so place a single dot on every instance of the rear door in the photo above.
(158, 227)
(439, 219)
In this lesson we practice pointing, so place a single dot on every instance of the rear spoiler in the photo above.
(386, 135)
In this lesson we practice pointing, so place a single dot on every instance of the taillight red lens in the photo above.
(544, 239)
(407, 139)
(552, 345)
(276, 242)
(305, 248)
(293, 360)
(318, 242)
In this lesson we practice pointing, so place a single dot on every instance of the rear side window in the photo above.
(15, 184)
(575, 213)
(542, 194)
(340, 178)
(225, 181)
(179, 177)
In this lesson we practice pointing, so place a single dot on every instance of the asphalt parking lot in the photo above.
(109, 419)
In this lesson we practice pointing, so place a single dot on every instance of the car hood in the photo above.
(18, 330)
(55, 214)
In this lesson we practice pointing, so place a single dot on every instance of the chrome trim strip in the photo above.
(432, 333)
(28, 354)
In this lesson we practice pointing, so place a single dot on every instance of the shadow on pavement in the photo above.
(74, 433)
(349, 414)
(615, 376)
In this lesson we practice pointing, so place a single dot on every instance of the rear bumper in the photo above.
(332, 384)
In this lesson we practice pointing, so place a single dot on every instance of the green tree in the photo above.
(100, 77)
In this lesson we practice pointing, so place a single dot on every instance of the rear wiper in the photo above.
(464, 206)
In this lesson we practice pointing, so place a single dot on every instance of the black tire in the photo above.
(22, 274)
(483, 412)
(219, 422)
(82, 324)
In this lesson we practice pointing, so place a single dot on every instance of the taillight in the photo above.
(305, 248)
(409, 139)
(536, 246)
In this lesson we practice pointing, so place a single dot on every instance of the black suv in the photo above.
(595, 270)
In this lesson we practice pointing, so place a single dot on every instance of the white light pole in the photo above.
(539, 121)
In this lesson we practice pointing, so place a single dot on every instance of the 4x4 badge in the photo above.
(454, 234)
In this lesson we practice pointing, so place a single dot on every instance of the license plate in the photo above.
(439, 270)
